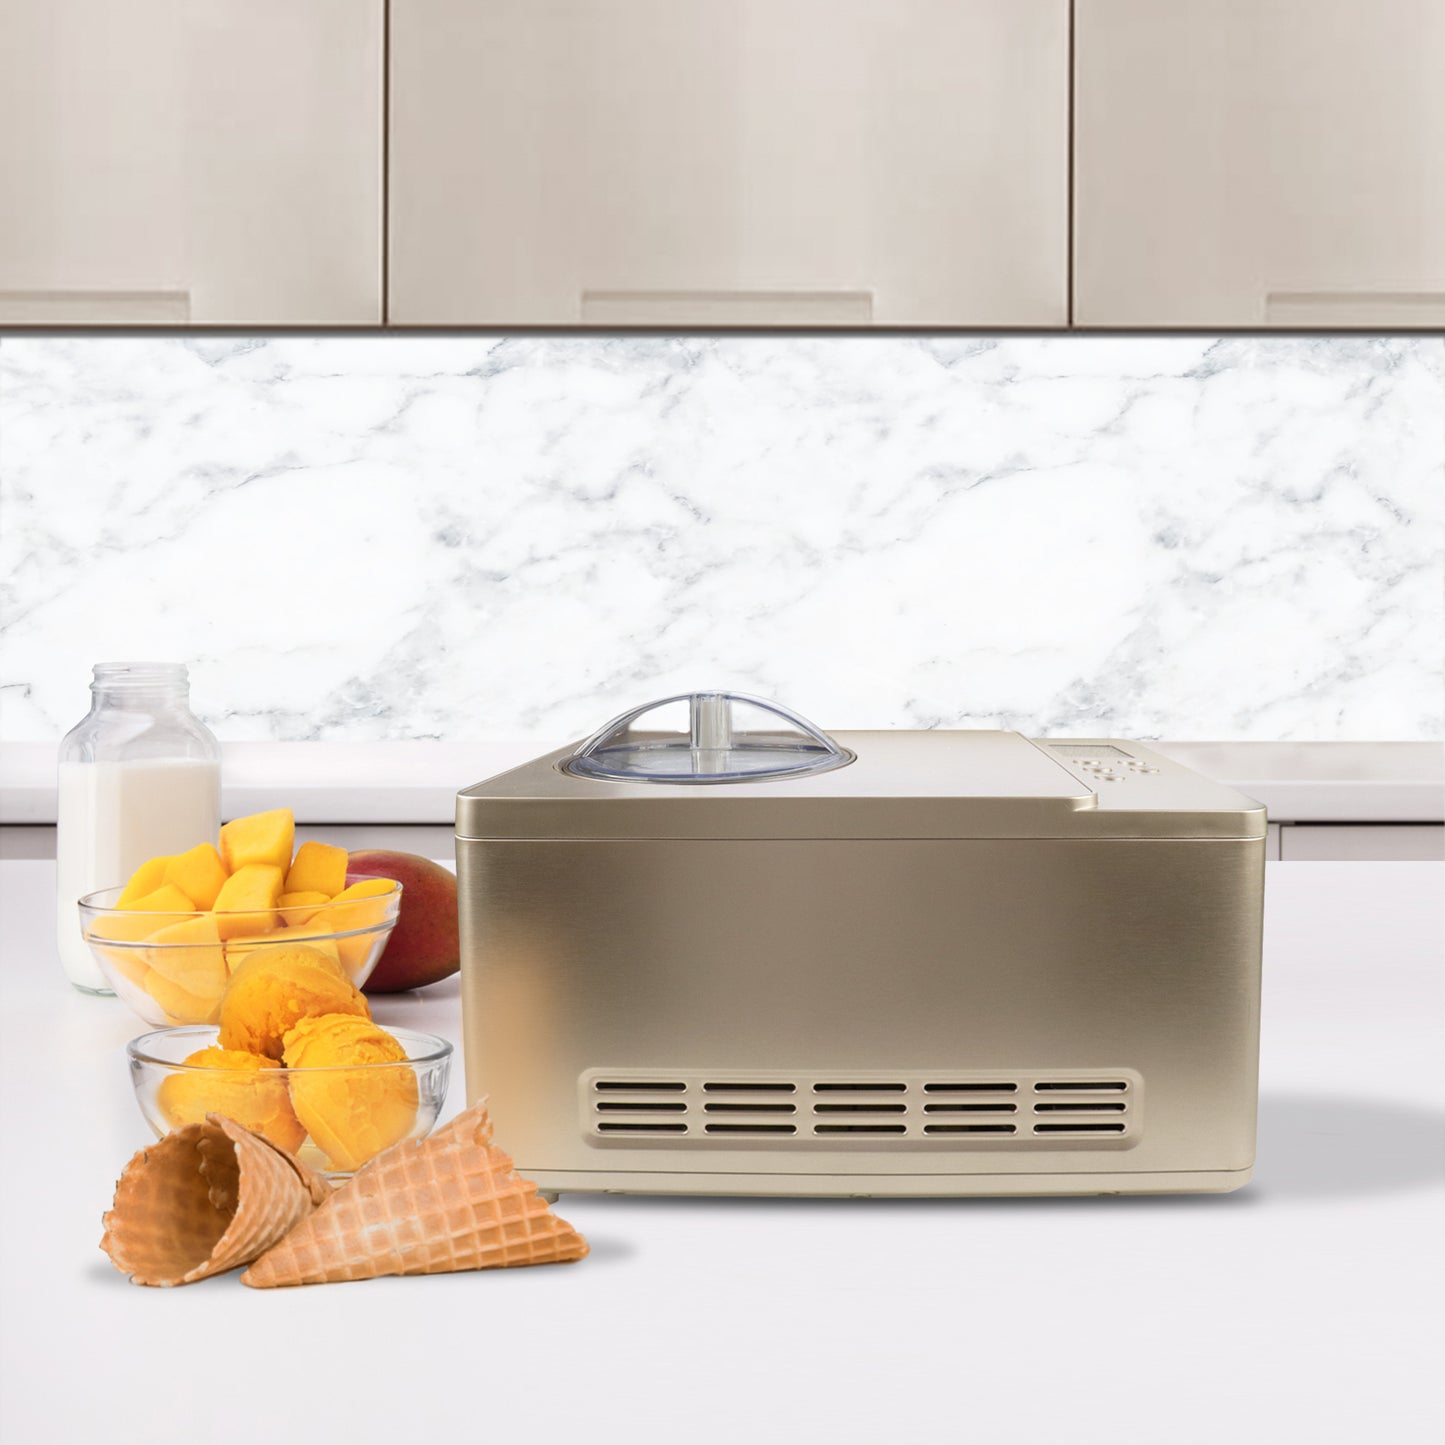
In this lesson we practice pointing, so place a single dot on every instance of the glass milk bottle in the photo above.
(140, 775)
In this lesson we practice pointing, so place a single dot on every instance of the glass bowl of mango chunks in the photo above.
(334, 1091)
(170, 939)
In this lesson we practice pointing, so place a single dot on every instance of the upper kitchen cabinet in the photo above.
(190, 161)
(1255, 163)
(723, 163)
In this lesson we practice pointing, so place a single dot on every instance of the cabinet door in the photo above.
(729, 162)
(1260, 163)
(174, 161)
(1362, 843)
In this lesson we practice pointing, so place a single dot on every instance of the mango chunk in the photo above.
(366, 908)
(365, 905)
(123, 927)
(304, 899)
(129, 963)
(199, 874)
(296, 908)
(189, 955)
(238, 948)
(133, 927)
(249, 896)
(368, 888)
(179, 1005)
(318, 868)
(259, 838)
(166, 899)
(324, 945)
(146, 879)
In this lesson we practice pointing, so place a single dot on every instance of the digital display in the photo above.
(1084, 750)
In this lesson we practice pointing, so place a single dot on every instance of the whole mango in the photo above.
(425, 945)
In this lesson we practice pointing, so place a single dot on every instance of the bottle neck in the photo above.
(140, 686)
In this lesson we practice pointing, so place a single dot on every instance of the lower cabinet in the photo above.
(729, 162)
(1260, 163)
(1362, 842)
(169, 162)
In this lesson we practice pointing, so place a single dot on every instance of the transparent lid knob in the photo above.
(707, 737)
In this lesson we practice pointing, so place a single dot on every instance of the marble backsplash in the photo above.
(481, 537)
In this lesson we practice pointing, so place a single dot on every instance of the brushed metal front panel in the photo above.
(834, 956)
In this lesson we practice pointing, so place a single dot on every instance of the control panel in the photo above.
(1149, 794)
(1100, 762)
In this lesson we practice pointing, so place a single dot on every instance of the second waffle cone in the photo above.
(428, 1206)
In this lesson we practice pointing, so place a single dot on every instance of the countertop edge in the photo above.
(334, 782)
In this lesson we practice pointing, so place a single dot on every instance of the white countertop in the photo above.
(417, 782)
(1305, 1307)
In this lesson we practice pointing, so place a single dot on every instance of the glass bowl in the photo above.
(171, 968)
(333, 1119)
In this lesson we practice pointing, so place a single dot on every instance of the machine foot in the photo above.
(547, 1196)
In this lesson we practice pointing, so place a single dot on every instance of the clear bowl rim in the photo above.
(440, 1051)
(144, 943)
(87, 901)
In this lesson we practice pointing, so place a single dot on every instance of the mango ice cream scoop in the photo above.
(234, 1084)
(275, 987)
(351, 1114)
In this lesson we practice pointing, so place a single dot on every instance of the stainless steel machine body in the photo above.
(923, 963)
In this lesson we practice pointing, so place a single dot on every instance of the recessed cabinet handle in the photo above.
(1377, 310)
(727, 308)
(35, 307)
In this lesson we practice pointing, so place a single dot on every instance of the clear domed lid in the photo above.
(709, 737)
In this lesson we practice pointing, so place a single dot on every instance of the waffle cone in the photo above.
(425, 1206)
(203, 1200)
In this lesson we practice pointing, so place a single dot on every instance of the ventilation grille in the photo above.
(1080, 1109)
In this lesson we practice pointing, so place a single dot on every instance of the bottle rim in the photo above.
(110, 675)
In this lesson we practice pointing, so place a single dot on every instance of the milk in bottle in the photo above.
(139, 776)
